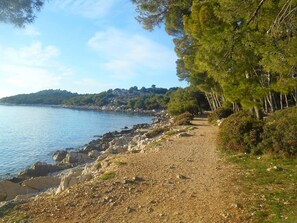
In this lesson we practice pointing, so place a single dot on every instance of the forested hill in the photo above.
(133, 98)
(47, 97)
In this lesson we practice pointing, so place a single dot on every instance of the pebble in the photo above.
(149, 210)
(129, 210)
(182, 177)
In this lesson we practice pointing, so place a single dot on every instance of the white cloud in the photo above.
(29, 69)
(86, 8)
(126, 54)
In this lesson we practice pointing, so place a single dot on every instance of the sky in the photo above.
(85, 46)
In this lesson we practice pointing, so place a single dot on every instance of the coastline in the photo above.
(66, 160)
(94, 108)
(173, 176)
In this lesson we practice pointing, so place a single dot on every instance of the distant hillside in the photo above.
(46, 97)
(133, 98)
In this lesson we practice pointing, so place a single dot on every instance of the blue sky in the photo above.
(85, 46)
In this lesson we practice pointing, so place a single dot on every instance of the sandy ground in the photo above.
(182, 179)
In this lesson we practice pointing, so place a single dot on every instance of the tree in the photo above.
(19, 12)
(238, 52)
(186, 100)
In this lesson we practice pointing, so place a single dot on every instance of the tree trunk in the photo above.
(275, 102)
(265, 105)
(286, 100)
(209, 102)
(270, 101)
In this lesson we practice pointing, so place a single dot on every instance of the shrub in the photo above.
(219, 114)
(107, 175)
(155, 132)
(240, 132)
(183, 119)
(280, 133)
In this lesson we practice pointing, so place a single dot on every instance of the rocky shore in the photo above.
(73, 167)
(165, 172)
(112, 108)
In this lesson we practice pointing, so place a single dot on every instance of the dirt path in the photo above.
(185, 180)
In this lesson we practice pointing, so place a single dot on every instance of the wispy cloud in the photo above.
(124, 54)
(86, 8)
(30, 68)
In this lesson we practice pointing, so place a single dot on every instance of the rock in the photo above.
(39, 169)
(129, 210)
(10, 190)
(21, 198)
(72, 177)
(220, 121)
(59, 156)
(3, 196)
(183, 134)
(76, 157)
(42, 183)
(182, 177)
(238, 206)
(275, 168)
(94, 154)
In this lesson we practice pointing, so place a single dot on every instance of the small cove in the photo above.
(31, 133)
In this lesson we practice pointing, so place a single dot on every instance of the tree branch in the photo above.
(256, 12)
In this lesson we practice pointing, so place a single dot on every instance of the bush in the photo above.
(107, 175)
(155, 132)
(240, 132)
(183, 119)
(280, 133)
(219, 114)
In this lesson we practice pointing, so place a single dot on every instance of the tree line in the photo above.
(133, 98)
(241, 54)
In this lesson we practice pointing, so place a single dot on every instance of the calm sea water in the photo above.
(29, 134)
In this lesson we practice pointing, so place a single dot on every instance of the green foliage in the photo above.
(107, 175)
(134, 98)
(241, 52)
(183, 119)
(219, 114)
(149, 102)
(280, 133)
(120, 163)
(47, 97)
(186, 100)
(19, 12)
(240, 132)
(269, 184)
(156, 132)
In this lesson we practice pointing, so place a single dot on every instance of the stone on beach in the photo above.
(59, 155)
(39, 169)
(9, 190)
(76, 157)
(42, 183)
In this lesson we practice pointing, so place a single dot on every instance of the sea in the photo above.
(33, 133)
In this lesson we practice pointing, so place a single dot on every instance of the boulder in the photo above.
(73, 177)
(76, 157)
(39, 169)
(94, 154)
(59, 155)
(121, 141)
(9, 190)
(42, 183)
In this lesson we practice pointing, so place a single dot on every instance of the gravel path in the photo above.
(182, 179)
